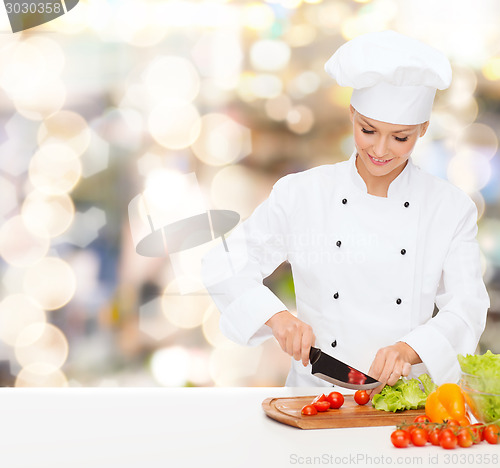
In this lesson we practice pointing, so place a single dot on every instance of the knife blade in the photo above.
(339, 373)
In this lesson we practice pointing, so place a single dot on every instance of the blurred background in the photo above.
(120, 98)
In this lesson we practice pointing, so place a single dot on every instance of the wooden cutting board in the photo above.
(288, 411)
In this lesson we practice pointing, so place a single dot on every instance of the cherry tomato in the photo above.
(422, 419)
(464, 437)
(309, 410)
(321, 397)
(336, 400)
(400, 438)
(434, 436)
(419, 437)
(361, 397)
(452, 422)
(447, 439)
(322, 405)
(477, 432)
(411, 427)
(464, 422)
(491, 433)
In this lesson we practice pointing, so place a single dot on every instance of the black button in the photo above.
(398, 301)
(336, 295)
(403, 251)
(334, 343)
(407, 204)
(339, 243)
(344, 201)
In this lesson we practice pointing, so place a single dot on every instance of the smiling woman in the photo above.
(368, 297)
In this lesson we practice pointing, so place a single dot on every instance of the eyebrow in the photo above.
(397, 131)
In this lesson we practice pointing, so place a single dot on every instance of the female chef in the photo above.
(373, 242)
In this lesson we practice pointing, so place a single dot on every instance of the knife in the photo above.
(339, 373)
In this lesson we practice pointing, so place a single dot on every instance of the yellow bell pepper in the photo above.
(445, 403)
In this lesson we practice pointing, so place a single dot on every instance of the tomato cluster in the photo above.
(333, 401)
(447, 435)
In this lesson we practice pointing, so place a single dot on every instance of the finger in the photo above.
(372, 392)
(382, 380)
(384, 377)
(307, 340)
(378, 365)
(374, 369)
(400, 369)
(297, 345)
(389, 370)
(376, 390)
(393, 377)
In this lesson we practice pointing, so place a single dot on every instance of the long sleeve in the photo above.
(234, 278)
(462, 301)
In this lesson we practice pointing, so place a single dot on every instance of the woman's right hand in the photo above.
(294, 336)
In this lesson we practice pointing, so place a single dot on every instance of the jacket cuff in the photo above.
(244, 320)
(436, 353)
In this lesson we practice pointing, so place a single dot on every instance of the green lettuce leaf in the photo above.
(388, 402)
(486, 367)
(414, 397)
(404, 394)
(429, 385)
(483, 377)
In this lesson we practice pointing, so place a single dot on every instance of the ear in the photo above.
(424, 128)
(352, 111)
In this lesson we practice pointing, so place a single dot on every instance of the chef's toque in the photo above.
(394, 77)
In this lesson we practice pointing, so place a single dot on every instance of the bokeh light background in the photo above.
(118, 97)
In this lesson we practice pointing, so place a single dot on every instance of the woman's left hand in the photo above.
(391, 363)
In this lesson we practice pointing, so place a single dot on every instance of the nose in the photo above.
(380, 147)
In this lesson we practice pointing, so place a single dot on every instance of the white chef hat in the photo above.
(394, 77)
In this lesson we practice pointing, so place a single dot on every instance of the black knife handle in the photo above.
(314, 354)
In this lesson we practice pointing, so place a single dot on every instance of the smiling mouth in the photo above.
(379, 162)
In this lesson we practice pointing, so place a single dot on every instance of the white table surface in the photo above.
(191, 427)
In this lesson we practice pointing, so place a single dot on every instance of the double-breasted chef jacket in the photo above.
(367, 270)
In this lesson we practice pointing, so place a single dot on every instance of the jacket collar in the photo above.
(399, 187)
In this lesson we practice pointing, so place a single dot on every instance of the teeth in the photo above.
(378, 160)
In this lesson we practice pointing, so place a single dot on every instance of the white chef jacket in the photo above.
(367, 270)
